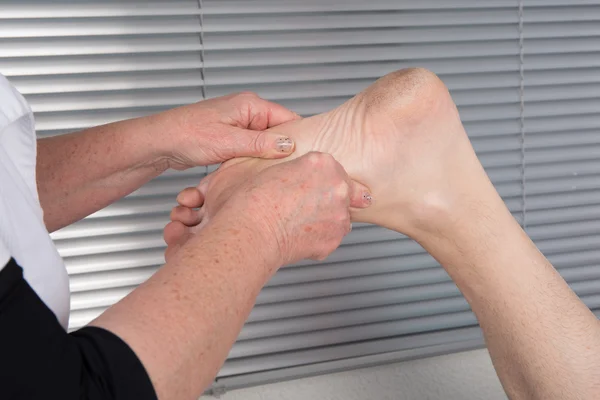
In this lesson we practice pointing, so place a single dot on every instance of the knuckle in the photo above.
(322, 160)
(342, 190)
(319, 256)
(314, 158)
(328, 159)
(342, 216)
(257, 142)
(326, 249)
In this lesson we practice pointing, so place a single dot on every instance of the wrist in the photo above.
(261, 235)
(148, 142)
(161, 137)
(239, 231)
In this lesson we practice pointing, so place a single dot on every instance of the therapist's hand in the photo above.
(216, 130)
(302, 207)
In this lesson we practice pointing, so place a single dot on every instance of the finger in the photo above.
(190, 197)
(187, 216)
(174, 232)
(266, 114)
(261, 144)
(360, 195)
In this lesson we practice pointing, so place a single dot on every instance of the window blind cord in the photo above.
(522, 117)
(139, 61)
(202, 71)
(201, 37)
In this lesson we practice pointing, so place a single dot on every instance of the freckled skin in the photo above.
(82, 172)
(403, 139)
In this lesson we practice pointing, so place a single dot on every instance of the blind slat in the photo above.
(327, 353)
(100, 63)
(217, 7)
(99, 27)
(68, 47)
(380, 295)
(374, 19)
(351, 334)
(279, 340)
(106, 8)
(350, 285)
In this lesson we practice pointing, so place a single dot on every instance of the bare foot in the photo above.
(401, 137)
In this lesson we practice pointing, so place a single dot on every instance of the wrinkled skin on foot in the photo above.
(401, 137)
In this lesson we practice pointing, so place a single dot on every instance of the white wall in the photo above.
(461, 376)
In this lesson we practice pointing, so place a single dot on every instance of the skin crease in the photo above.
(82, 172)
(183, 321)
(379, 137)
(402, 138)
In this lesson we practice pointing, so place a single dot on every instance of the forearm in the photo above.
(80, 173)
(544, 342)
(183, 321)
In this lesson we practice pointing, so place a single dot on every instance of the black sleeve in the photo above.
(39, 360)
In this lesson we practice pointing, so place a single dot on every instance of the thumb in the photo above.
(360, 195)
(262, 144)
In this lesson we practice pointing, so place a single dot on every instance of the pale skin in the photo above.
(183, 320)
(80, 173)
(403, 139)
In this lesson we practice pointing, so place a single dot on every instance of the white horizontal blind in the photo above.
(84, 63)
(380, 297)
(525, 80)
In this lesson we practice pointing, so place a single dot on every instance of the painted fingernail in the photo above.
(368, 198)
(284, 144)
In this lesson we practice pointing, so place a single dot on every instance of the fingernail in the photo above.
(284, 144)
(368, 198)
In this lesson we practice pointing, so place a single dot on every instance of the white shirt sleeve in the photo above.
(23, 235)
(4, 256)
